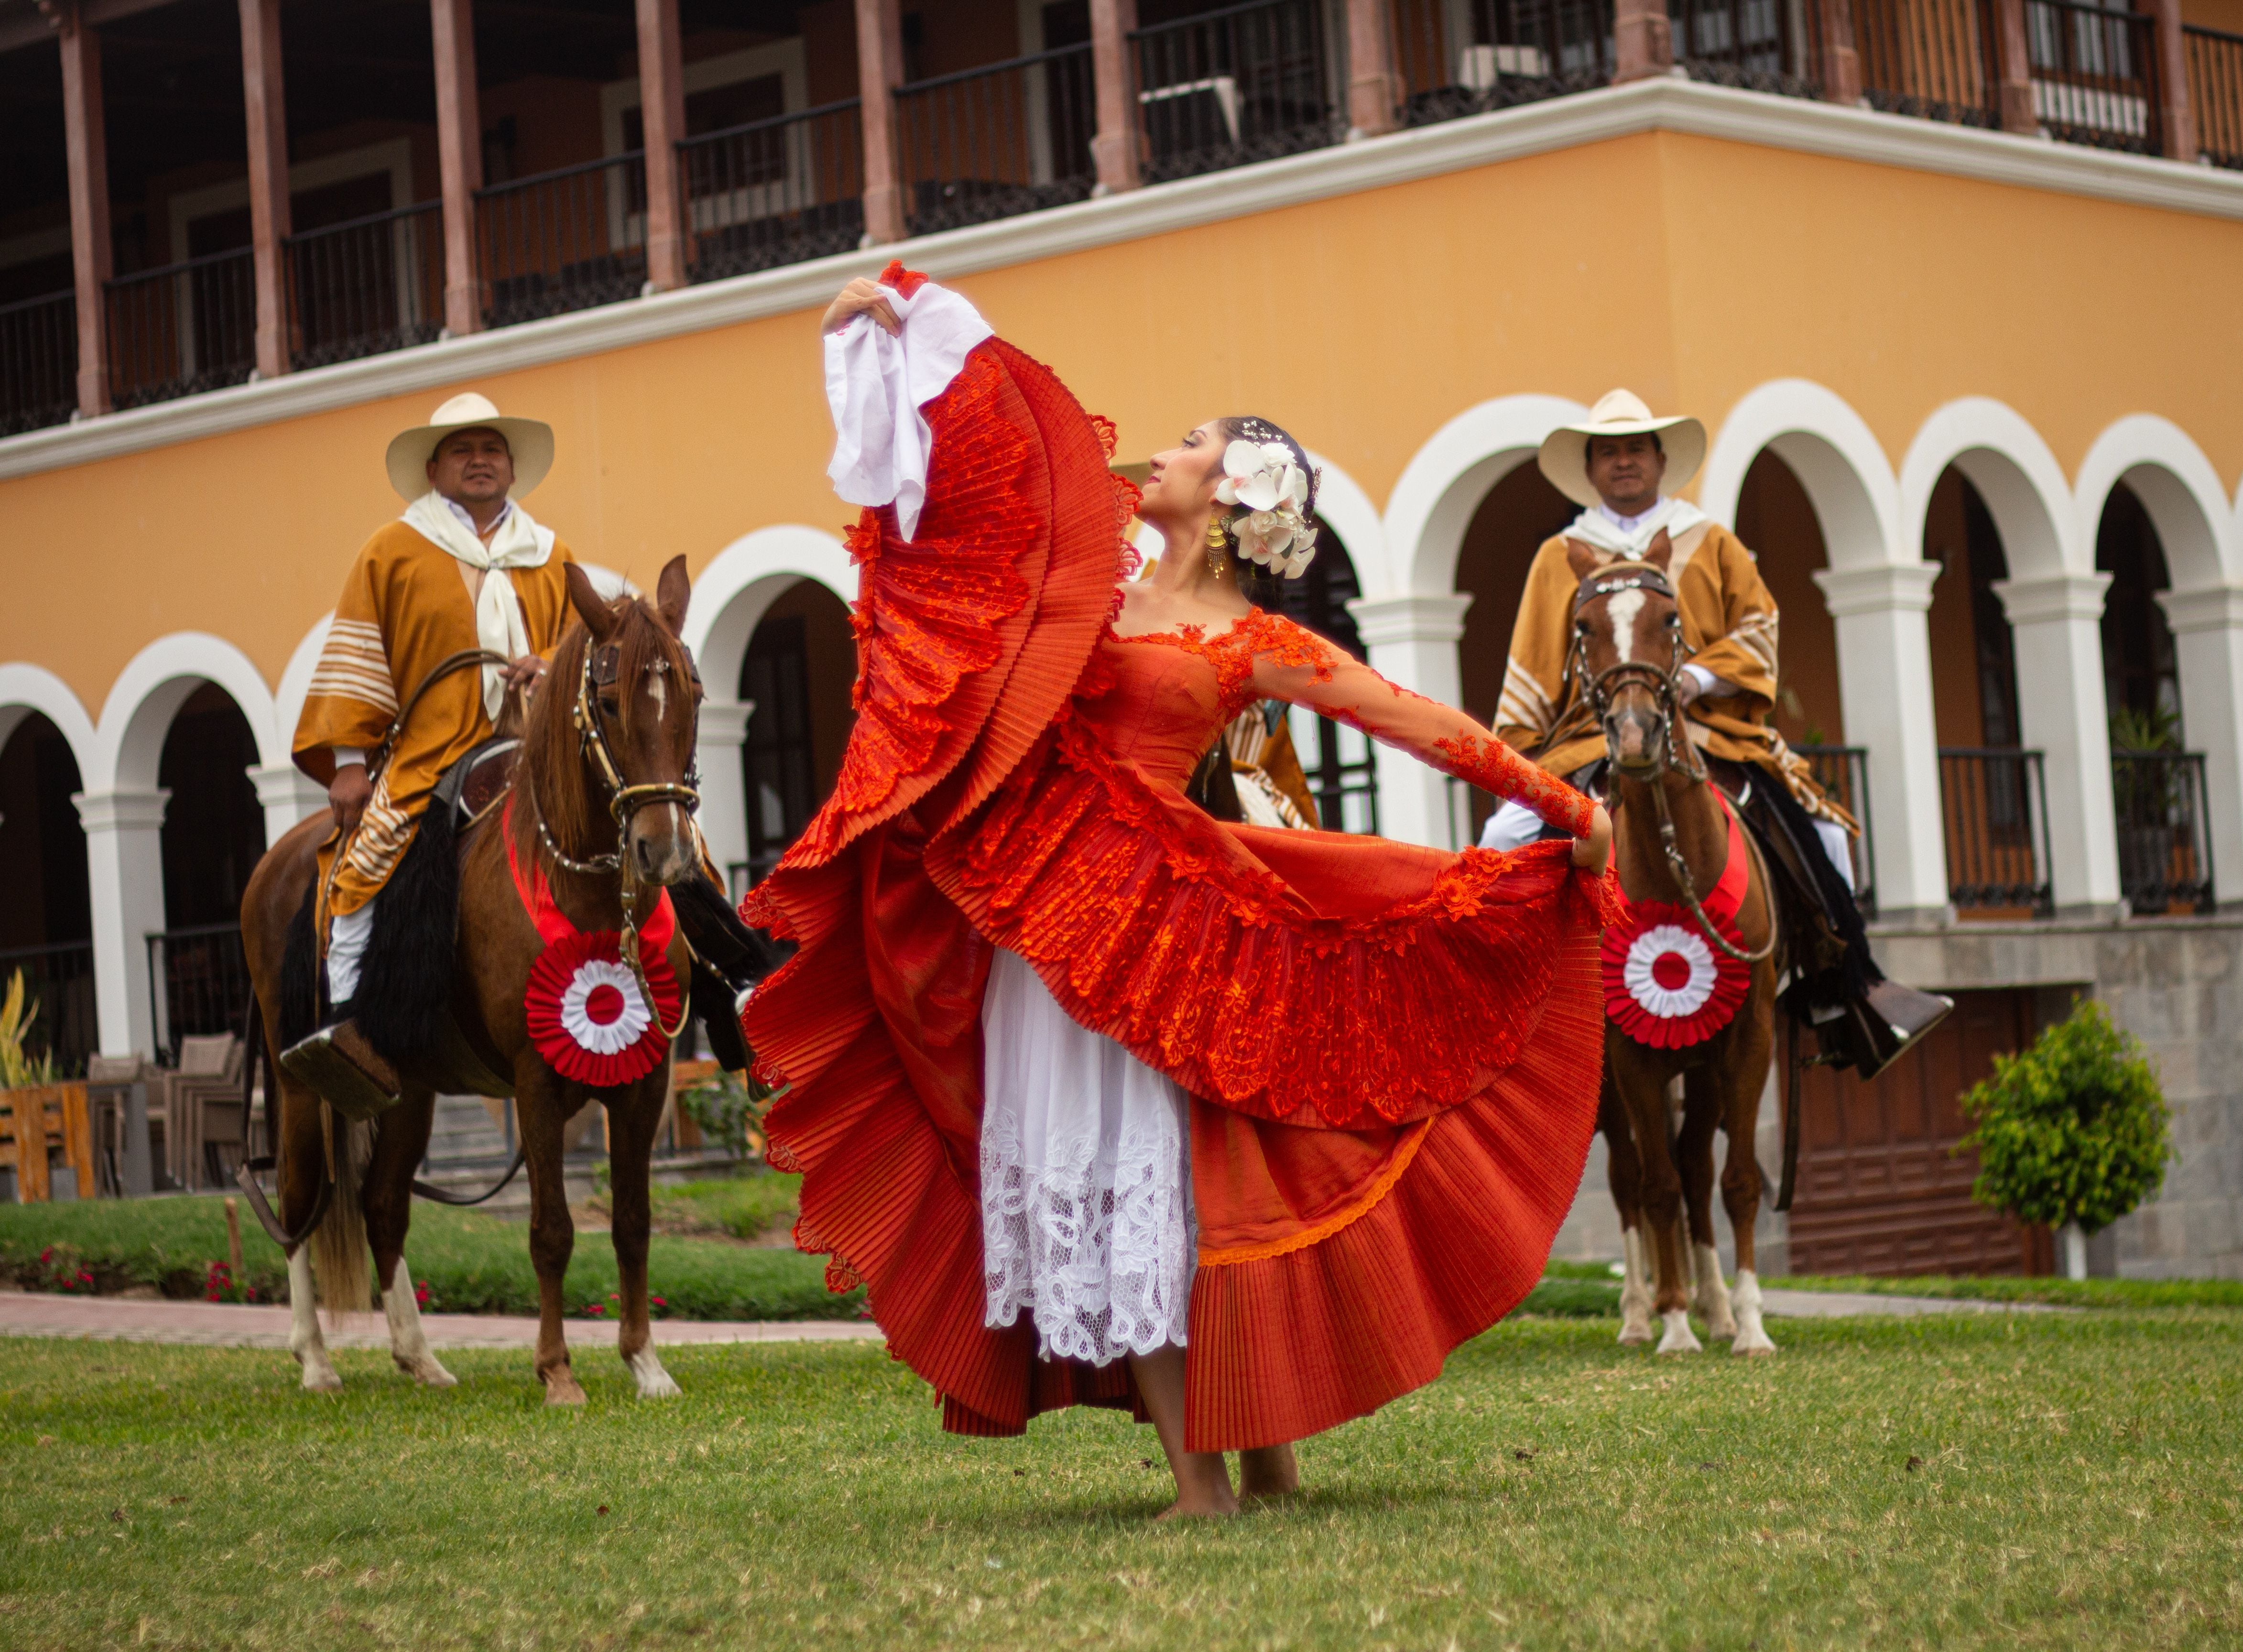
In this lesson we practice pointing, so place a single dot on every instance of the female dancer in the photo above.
(1080, 1078)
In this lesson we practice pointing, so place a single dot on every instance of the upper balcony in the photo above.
(328, 186)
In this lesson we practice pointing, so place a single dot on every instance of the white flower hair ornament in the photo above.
(1273, 528)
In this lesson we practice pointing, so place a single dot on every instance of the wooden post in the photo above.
(460, 159)
(1372, 103)
(2176, 118)
(1643, 40)
(86, 140)
(2016, 59)
(1116, 147)
(265, 103)
(880, 72)
(233, 1240)
(1842, 63)
(662, 113)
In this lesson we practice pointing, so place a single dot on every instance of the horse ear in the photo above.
(1663, 550)
(1581, 558)
(592, 608)
(671, 592)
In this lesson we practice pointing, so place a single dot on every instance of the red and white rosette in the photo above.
(587, 1016)
(1666, 986)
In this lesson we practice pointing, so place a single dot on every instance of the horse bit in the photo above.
(1601, 687)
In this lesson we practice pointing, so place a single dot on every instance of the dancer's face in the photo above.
(1183, 478)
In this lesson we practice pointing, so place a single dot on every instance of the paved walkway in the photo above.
(228, 1325)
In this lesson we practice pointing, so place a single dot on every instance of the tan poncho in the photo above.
(1728, 617)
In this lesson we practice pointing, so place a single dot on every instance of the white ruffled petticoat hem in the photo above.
(1086, 1180)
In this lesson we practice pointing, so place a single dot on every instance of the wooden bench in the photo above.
(32, 1121)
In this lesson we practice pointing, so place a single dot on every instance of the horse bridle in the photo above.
(1600, 689)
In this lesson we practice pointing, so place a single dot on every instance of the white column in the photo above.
(724, 731)
(289, 797)
(2207, 627)
(1884, 687)
(2056, 624)
(125, 874)
(1413, 640)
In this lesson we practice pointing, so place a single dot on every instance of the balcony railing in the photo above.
(181, 328)
(2215, 93)
(774, 192)
(1996, 806)
(371, 285)
(998, 141)
(2094, 74)
(1763, 45)
(197, 984)
(2165, 852)
(1490, 54)
(38, 362)
(1245, 84)
(1843, 771)
(59, 980)
(1934, 59)
(562, 240)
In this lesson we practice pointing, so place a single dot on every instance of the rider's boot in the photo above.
(343, 1069)
(1894, 1016)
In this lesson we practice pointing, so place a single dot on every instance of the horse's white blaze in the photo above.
(1625, 607)
(304, 1338)
(1751, 1335)
(654, 1383)
(1712, 1295)
(658, 684)
(1635, 1289)
(1679, 1339)
(408, 1343)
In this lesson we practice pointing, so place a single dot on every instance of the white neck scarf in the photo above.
(1597, 526)
(519, 543)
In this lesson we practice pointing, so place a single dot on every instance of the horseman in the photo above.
(1621, 465)
(465, 568)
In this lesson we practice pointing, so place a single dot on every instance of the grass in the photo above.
(2071, 1293)
(1978, 1480)
(471, 1263)
(737, 1207)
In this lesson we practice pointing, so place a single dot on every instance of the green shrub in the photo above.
(729, 1108)
(2073, 1129)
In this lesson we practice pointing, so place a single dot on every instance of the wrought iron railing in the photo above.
(1341, 770)
(58, 980)
(997, 141)
(1996, 807)
(2215, 93)
(2165, 849)
(562, 240)
(1490, 54)
(1763, 45)
(38, 362)
(1244, 83)
(1934, 59)
(197, 984)
(1843, 771)
(2094, 74)
(774, 192)
(182, 328)
(365, 286)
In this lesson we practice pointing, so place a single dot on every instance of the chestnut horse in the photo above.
(1670, 843)
(600, 801)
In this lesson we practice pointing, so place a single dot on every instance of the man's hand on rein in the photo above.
(524, 672)
(348, 793)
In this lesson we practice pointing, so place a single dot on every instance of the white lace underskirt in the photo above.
(1086, 1180)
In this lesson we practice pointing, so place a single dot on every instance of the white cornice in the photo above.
(1669, 104)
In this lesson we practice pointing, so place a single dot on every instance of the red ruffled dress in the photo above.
(1392, 1054)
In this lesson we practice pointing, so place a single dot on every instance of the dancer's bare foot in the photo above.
(1202, 1489)
(1268, 1471)
(1203, 1477)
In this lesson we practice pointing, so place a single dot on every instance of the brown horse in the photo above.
(599, 802)
(1627, 651)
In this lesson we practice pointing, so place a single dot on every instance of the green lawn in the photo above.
(1982, 1480)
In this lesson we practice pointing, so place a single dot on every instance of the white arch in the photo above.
(2014, 472)
(149, 691)
(746, 578)
(25, 687)
(1441, 486)
(296, 683)
(1347, 510)
(2176, 484)
(1836, 457)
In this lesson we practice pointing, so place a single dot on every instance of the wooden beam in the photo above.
(1643, 40)
(460, 159)
(1372, 101)
(263, 100)
(1119, 144)
(87, 148)
(662, 116)
(2176, 118)
(2015, 58)
(880, 72)
(1842, 62)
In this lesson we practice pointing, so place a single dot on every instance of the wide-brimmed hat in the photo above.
(1564, 456)
(531, 440)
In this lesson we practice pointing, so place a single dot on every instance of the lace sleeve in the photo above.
(1294, 664)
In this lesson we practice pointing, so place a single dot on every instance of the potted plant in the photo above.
(29, 1089)
(2072, 1132)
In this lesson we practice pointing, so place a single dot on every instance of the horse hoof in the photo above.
(429, 1373)
(1752, 1342)
(321, 1379)
(561, 1389)
(1722, 1331)
(1679, 1339)
(1761, 1352)
(654, 1383)
(1634, 1336)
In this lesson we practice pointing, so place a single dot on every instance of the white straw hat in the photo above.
(530, 440)
(1565, 455)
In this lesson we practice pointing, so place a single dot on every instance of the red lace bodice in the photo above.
(1158, 698)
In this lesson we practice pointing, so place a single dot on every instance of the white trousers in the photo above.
(347, 934)
(1514, 824)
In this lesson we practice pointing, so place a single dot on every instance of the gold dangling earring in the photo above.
(1218, 544)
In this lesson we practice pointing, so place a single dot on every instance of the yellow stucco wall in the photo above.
(1691, 269)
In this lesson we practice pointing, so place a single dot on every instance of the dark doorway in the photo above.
(800, 663)
(46, 914)
(2141, 671)
(214, 835)
(1337, 762)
